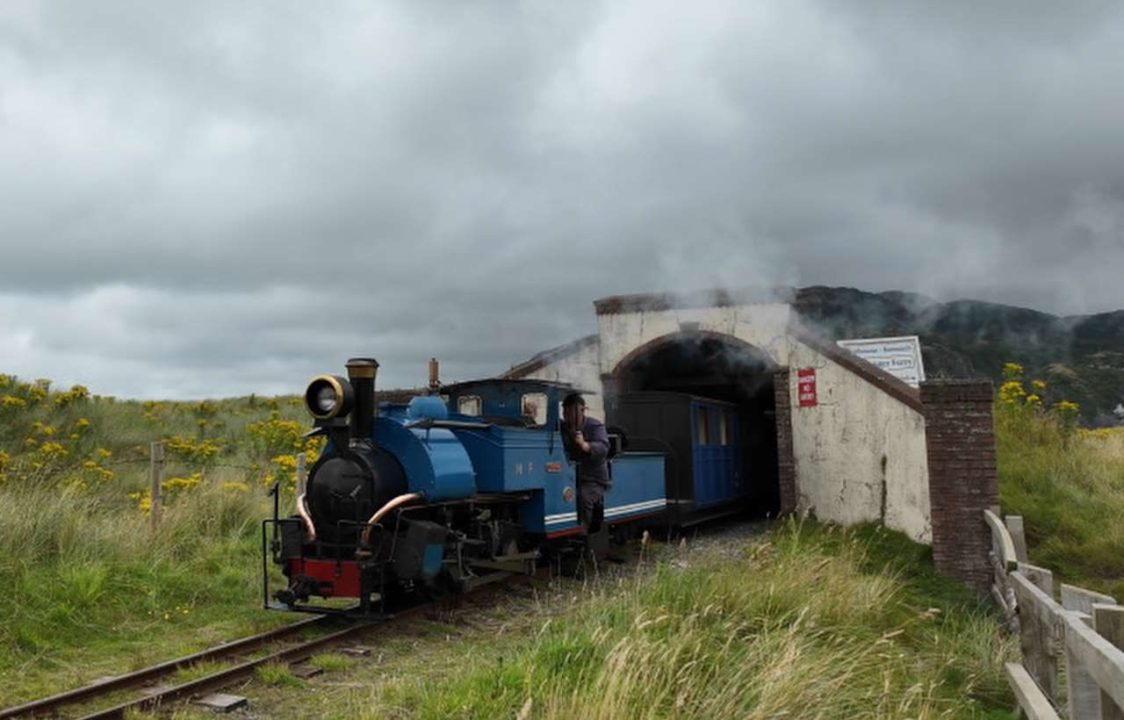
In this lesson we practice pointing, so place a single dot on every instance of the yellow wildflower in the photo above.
(1011, 392)
(53, 450)
(176, 484)
(143, 499)
(1065, 407)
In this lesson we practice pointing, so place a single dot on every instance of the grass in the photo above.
(1068, 484)
(809, 622)
(330, 662)
(91, 589)
(276, 674)
(812, 622)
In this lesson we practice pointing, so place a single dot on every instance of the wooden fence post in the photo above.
(1083, 696)
(1015, 527)
(1039, 631)
(156, 472)
(1003, 561)
(301, 476)
(1108, 621)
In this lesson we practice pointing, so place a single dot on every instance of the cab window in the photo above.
(469, 405)
(533, 408)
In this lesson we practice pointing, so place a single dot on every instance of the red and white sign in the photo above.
(806, 386)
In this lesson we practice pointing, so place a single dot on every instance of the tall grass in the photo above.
(1068, 484)
(805, 625)
(89, 587)
(76, 567)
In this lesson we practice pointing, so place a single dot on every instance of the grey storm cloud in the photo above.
(216, 199)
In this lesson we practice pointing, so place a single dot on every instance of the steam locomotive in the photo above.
(455, 489)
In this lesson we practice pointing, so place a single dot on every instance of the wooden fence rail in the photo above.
(1084, 633)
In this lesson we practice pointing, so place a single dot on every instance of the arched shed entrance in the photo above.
(717, 367)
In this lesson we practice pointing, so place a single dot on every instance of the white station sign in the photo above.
(899, 356)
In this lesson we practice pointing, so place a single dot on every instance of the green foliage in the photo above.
(813, 622)
(278, 674)
(87, 580)
(1068, 484)
(329, 662)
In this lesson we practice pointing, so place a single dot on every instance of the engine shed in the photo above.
(823, 431)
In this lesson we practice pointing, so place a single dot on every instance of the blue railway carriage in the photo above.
(707, 470)
(443, 493)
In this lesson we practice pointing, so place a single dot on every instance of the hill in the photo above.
(1081, 357)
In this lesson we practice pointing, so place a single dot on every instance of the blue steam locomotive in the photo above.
(444, 493)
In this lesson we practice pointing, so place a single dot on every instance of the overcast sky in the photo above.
(214, 198)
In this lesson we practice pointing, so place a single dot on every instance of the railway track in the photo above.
(154, 686)
(151, 677)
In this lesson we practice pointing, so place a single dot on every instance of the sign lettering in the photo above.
(899, 356)
(806, 387)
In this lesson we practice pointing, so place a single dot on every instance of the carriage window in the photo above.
(469, 405)
(723, 427)
(703, 426)
(534, 408)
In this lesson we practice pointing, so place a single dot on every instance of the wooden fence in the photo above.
(1081, 633)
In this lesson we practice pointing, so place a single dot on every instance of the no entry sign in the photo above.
(806, 386)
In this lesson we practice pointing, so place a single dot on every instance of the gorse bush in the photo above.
(86, 576)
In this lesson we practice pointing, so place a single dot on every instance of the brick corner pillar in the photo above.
(786, 462)
(960, 439)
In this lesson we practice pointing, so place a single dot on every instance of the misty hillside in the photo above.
(1081, 357)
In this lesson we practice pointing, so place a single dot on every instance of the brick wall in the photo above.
(960, 439)
(786, 463)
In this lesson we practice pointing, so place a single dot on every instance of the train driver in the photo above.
(587, 445)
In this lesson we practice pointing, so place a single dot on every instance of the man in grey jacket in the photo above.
(587, 445)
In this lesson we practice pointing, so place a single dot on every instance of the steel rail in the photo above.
(297, 653)
(223, 678)
(144, 675)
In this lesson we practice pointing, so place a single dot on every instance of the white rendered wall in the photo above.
(580, 369)
(838, 446)
(763, 326)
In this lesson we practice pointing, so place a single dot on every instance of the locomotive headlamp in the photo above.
(328, 396)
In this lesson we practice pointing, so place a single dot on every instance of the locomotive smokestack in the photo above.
(434, 382)
(361, 374)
